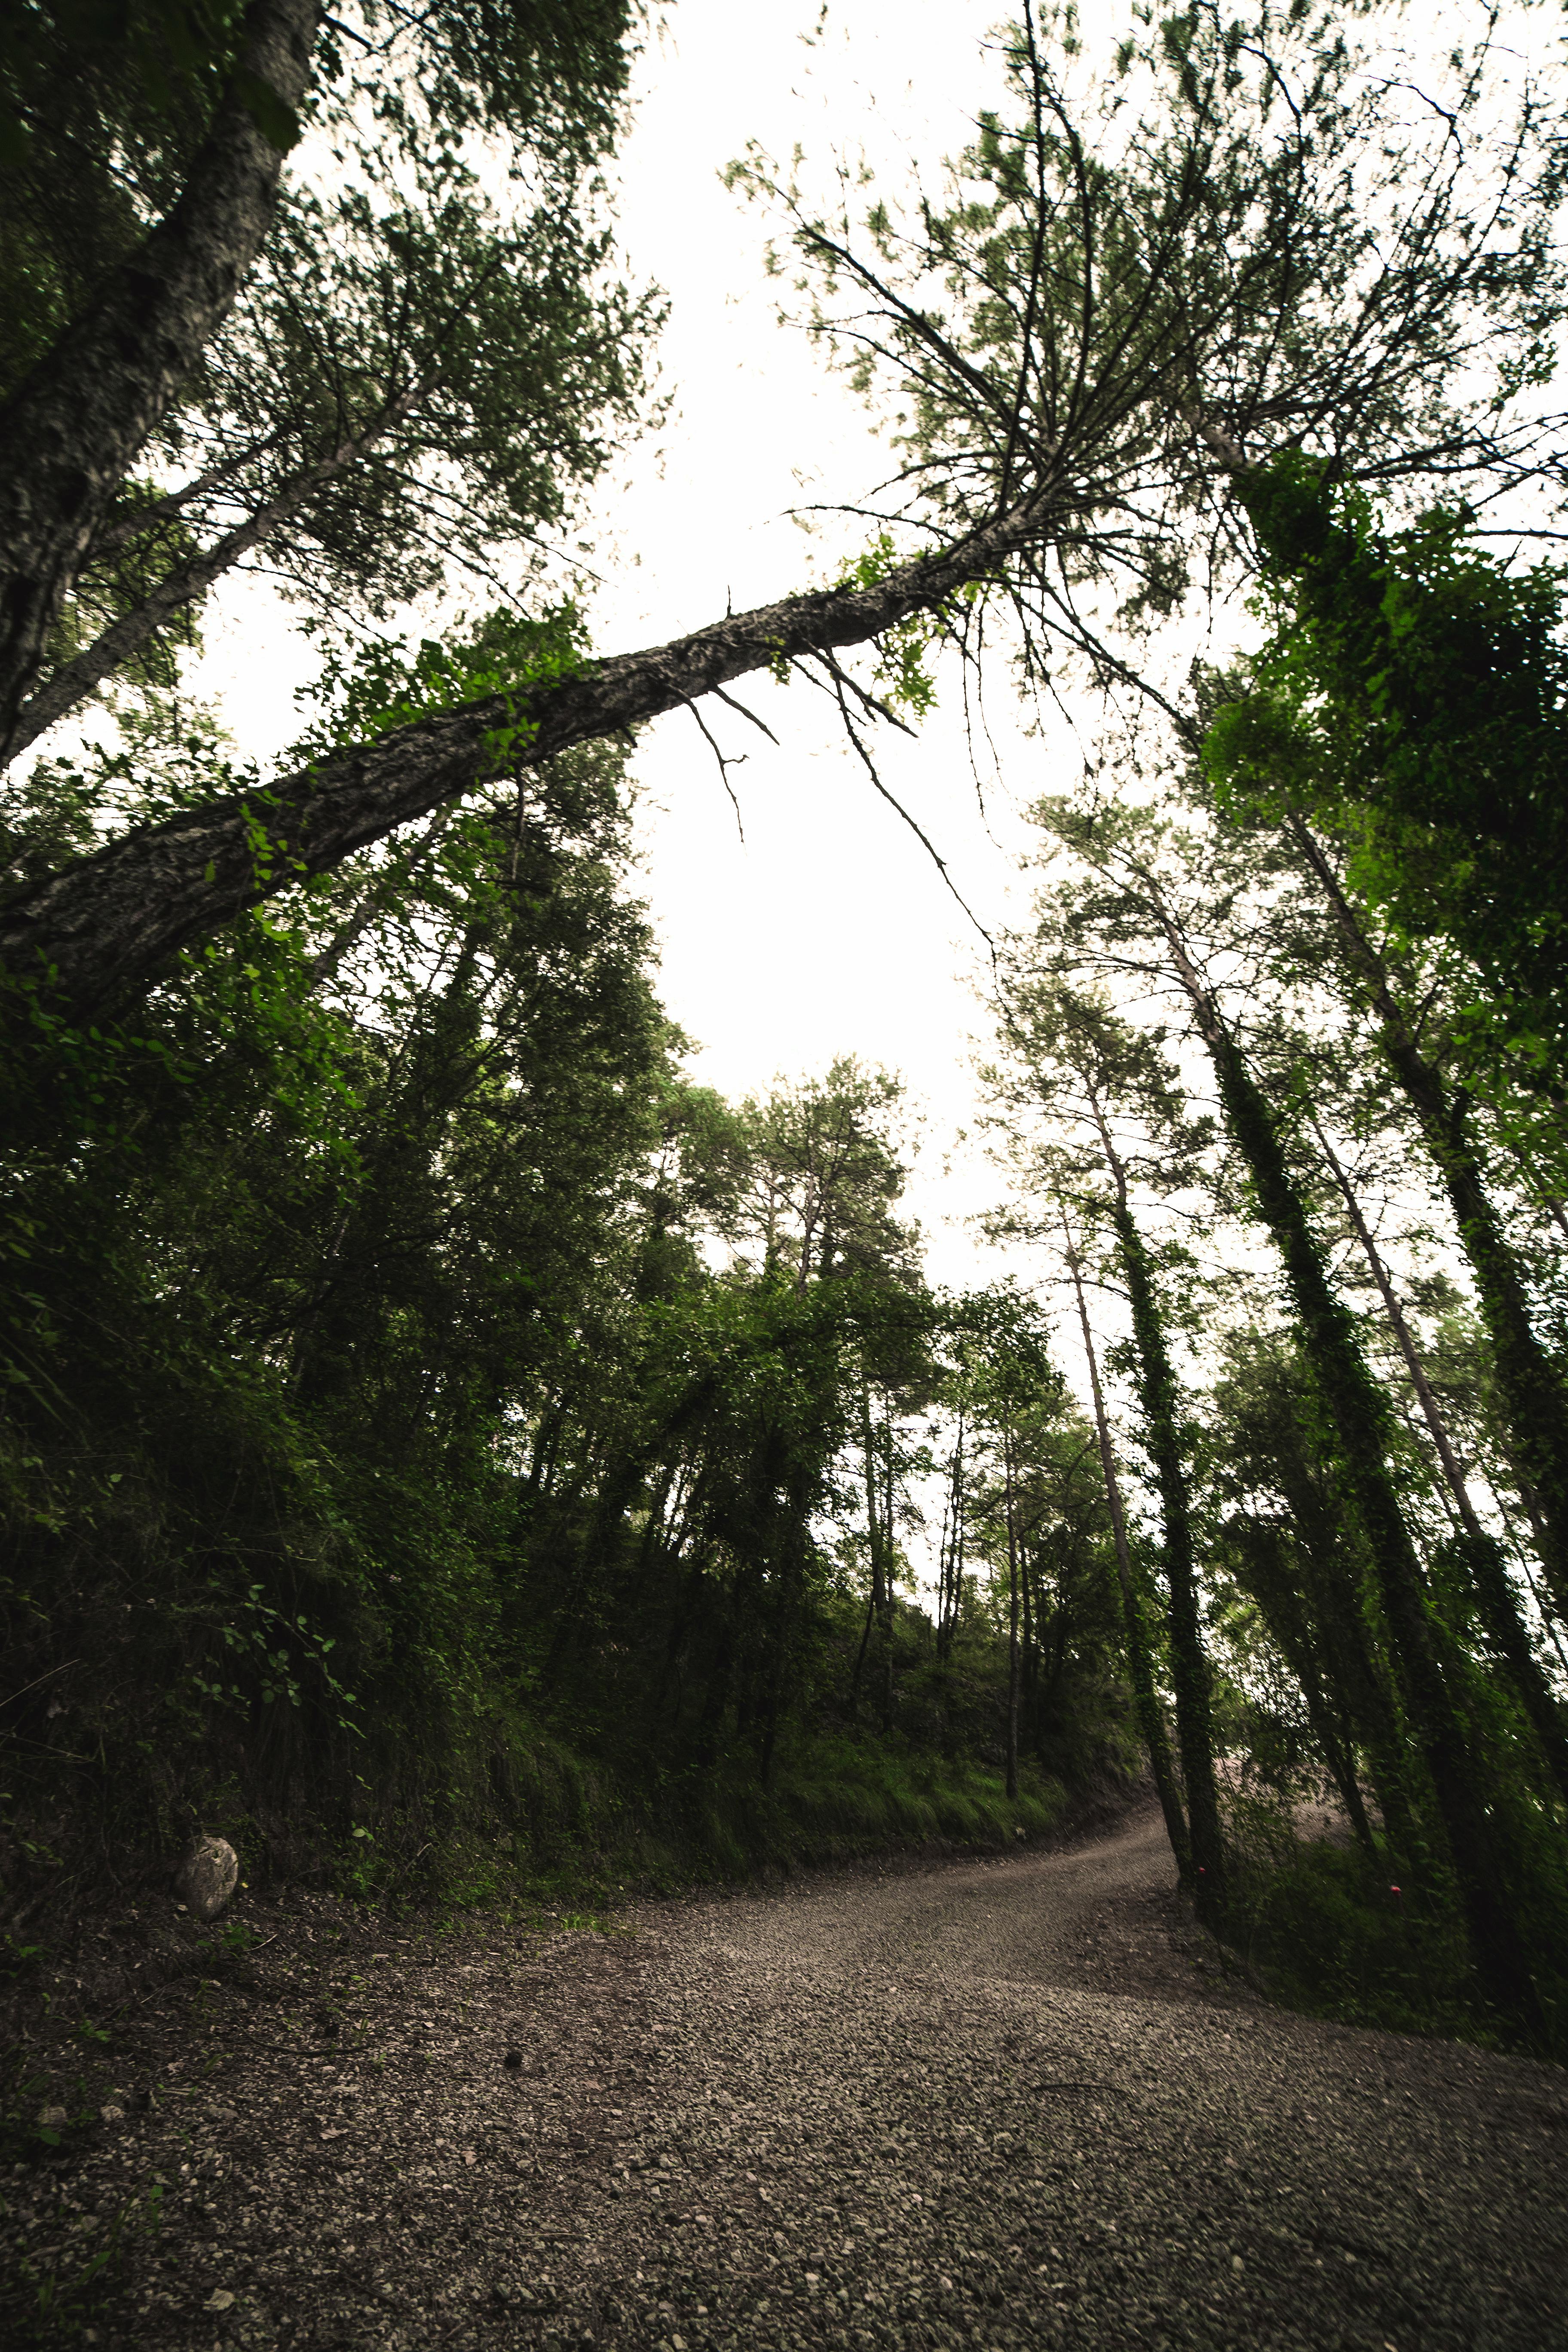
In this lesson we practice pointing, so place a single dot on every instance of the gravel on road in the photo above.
(1001, 2102)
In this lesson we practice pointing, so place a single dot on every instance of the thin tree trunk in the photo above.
(952, 1550)
(1483, 1553)
(1007, 1469)
(889, 1596)
(105, 925)
(1292, 1632)
(873, 1540)
(1338, 1636)
(72, 430)
(1139, 1664)
(1189, 1666)
(376, 900)
(125, 637)
(1029, 1678)
(1533, 1394)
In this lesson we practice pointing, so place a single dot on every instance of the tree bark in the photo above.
(72, 430)
(1189, 1666)
(108, 924)
(952, 1553)
(1483, 1554)
(873, 1544)
(1011, 1500)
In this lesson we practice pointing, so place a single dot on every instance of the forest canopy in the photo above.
(442, 1435)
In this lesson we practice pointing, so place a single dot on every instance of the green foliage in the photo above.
(43, 2308)
(902, 654)
(1411, 699)
(434, 1430)
(364, 690)
(1334, 1935)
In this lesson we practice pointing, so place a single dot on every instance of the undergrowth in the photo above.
(1336, 1931)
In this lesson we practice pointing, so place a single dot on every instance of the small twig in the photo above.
(725, 764)
(468, 2319)
(348, 32)
(740, 706)
(897, 806)
(868, 701)
(40, 1678)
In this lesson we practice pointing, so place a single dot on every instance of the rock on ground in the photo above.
(1003, 2103)
(208, 1877)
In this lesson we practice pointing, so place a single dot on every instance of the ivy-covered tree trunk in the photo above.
(951, 1596)
(889, 1593)
(1189, 1666)
(879, 1599)
(1359, 1413)
(1265, 1572)
(1139, 1664)
(1332, 1593)
(1534, 1395)
(1008, 1469)
(1479, 1549)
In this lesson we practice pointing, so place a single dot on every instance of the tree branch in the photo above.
(75, 679)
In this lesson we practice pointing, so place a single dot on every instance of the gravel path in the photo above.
(1005, 2103)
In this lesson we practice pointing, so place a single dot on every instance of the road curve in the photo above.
(1005, 2103)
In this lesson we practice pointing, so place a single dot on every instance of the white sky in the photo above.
(827, 931)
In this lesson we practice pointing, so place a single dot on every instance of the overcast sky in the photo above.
(827, 929)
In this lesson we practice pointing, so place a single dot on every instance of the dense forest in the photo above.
(448, 1450)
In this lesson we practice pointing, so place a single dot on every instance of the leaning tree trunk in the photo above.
(1273, 1583)
(1157, 1395)
(1189, 1666)
(73, 427)
(125, 638)
(1483, 1554)
(106, 925)
(1332, 1596)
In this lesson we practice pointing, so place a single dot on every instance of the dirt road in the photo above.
(995, 2104)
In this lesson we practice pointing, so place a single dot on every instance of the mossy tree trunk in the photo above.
(1359, 1412)
(1140, 1662)
(1482, 1554)
(1158, 1399)
(1534, 1396)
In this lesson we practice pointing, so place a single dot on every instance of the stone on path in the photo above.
(208, 1877)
